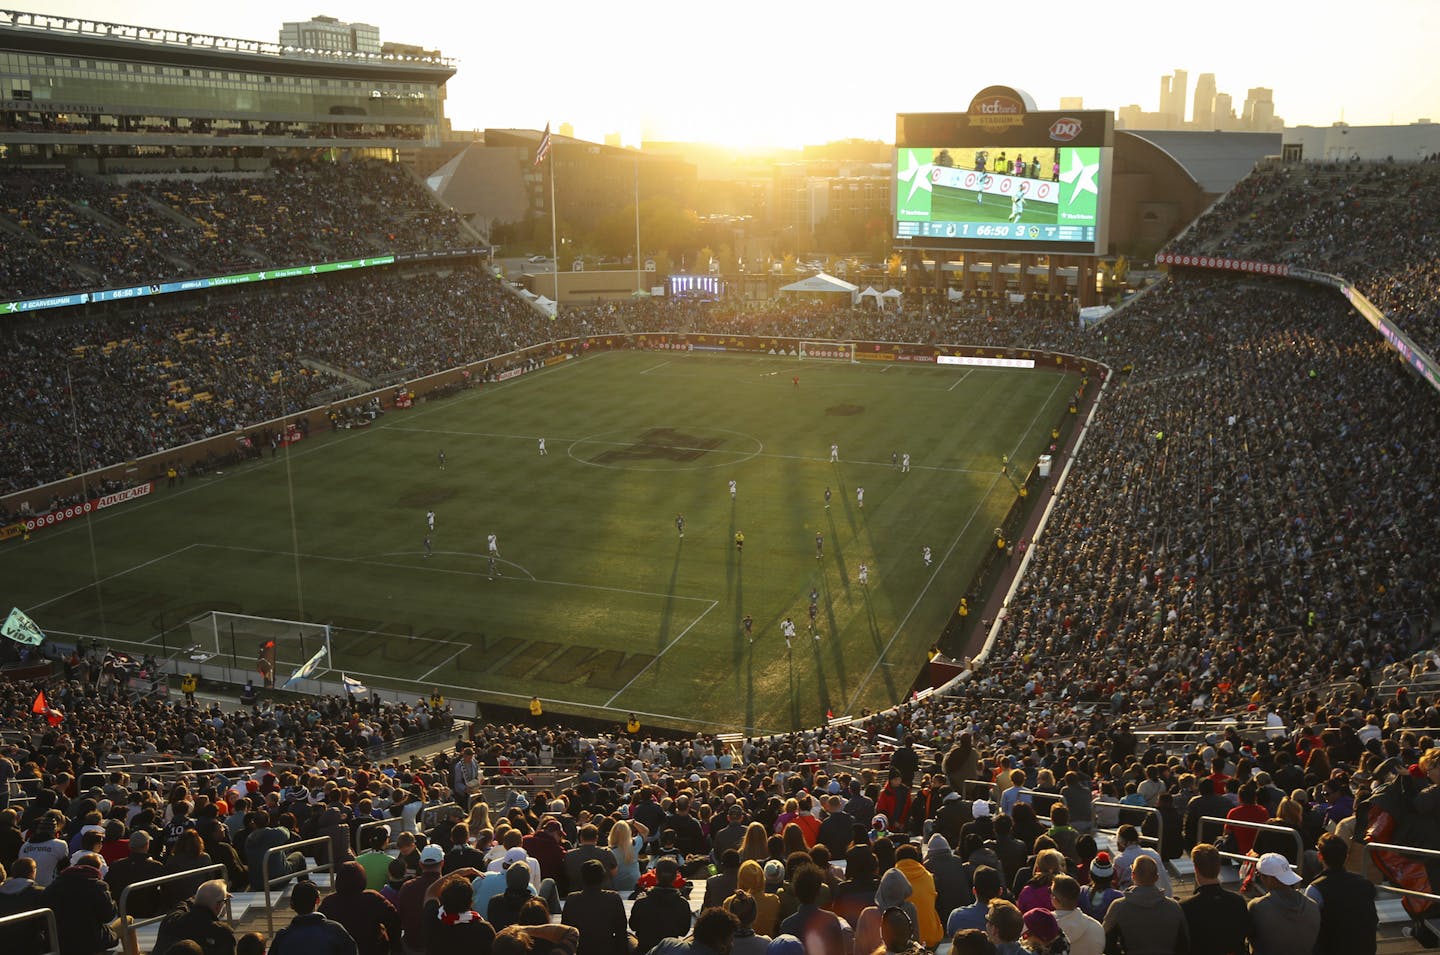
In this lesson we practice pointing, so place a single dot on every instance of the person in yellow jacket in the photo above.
(632, 726)
(188, 684)
(536, 710)
(929, 929)
(751, 878)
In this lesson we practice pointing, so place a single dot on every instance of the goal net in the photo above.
(273, 648)
(827, 351)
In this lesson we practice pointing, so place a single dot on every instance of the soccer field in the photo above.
(959, 205)
(597, 601)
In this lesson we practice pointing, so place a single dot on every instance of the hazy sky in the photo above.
(779, 72)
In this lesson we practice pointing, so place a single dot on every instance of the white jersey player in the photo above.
(430, 520)
(860, 497)
(905, 462)
(732, 490)
(834, 453)
(1017, 203)
(864, 573)
(980, 185)
(925, 553)
(787, 630)
(542, 447)
(493, 545)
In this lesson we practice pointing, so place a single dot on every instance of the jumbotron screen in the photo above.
(1003, 176)
(1038, 193)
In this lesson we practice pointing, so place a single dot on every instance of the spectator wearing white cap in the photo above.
(1282, 920)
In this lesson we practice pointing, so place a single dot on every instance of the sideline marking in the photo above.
(924, 590)
(967, 374)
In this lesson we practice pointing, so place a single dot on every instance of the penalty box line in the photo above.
(110, 577)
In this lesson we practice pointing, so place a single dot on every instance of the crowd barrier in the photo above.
(1207, 821)
(52, 936)
(130, 927)
(281, 880)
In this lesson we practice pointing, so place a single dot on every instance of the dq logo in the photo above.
(1065, 129)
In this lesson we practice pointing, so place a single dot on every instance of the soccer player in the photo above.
(493, 545)
(732, 490)
(814, 609)
(827, 497)
(834, 453)
(1017, 203)
(796, 382)
(925, 553)
(430, 520)
(428, 551)
(680, 524)
(980, 186)
(740, 540)
(542, 447)
(787, 629)
(442, 459)
(819, 545)
(860, 498)
(905, 463)
(893, 457)
(864, 574)
(747, 624)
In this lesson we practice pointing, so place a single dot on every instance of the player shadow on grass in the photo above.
(836, 652)
(872, 622)
(667, 614)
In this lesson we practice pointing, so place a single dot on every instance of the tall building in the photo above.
(567, 130)
(613, 140)
(1178, 89)
(1260, 109)
(1224, 113)
(1072, 102)
(328, 33)
(1203, 115)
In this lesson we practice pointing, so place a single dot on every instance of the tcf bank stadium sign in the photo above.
(996, 108)
(60, 515)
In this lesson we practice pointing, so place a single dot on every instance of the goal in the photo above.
(258, 643)
(827, 351)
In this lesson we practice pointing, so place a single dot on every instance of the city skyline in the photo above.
(772, 75)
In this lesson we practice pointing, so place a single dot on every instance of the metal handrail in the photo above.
(52, 931)
(128, 926)
(1402, 850)
(1122, 806)
(270, 883)
(358, 843)
(428, 814)
(1258, 826)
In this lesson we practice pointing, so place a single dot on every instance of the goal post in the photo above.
(244, 640)
(827, 351)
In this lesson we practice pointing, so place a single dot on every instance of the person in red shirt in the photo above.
(1247, 811)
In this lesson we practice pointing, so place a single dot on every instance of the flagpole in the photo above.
(554, 230)
(637, 221)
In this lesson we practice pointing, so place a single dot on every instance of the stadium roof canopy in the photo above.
(1215, 160)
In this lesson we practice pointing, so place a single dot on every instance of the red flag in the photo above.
(41, 707)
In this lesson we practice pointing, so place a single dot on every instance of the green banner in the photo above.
(22, 629)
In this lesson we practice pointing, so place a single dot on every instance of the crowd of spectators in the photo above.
(1230, 613)
(93, 232)
(1369, 222)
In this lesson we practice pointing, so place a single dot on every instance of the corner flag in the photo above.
(22, 629)
(544, 148)
(309, 667)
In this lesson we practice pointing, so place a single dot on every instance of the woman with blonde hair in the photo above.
(756, 843)
(479, 817)
(1036, 894)
(626, 840)
(791, 810)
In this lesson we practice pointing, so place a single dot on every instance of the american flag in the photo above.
(544, 149)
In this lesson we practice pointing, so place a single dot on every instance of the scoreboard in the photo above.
(1003, 176)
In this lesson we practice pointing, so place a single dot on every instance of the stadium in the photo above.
(716, 584)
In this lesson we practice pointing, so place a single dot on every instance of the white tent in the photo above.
(822, 284)
(545, 305)
(954, 294)
(870, 293)
(892, 293)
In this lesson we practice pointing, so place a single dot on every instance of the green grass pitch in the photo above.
(597, 602)
(959, 205)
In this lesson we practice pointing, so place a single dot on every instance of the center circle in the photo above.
(663, 448)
